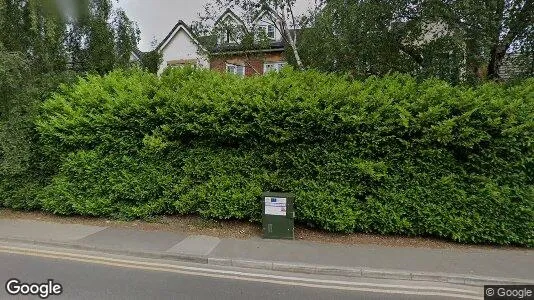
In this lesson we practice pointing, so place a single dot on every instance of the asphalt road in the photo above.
(86, 280)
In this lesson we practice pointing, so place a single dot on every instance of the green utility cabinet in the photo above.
(278, 216)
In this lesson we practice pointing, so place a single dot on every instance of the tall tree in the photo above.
(456, 40)
(100, 38)
(13, 72)
(89, 34)
(369, 37)
(13, 25)
(491, 28)
(35, 28)
(126, 38)
(22, 91)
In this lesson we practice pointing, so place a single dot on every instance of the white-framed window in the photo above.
(273, 66)
(228, 36)
(229, 39)
(235, 69)
(269, 30)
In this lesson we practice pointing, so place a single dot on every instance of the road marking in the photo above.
(232, 272)
(265, 278)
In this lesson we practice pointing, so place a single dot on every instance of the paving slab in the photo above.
(45, 231)
(494, 263)
(132, 240)
(196, 244)
(303, 256)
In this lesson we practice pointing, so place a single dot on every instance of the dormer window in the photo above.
(228, 36)
(269, 31)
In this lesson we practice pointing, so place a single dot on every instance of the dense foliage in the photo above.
(389, 155)
(455, 40)
(23, 172)
(150, 61)
(42, 44)
(83, 35)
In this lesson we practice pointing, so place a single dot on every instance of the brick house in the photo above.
(249, 66)
(260, 57)
(222, 50)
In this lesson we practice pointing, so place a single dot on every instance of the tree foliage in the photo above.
(36, 29)
(13, 73)
(86, 36)
(22, 168)
(489, 29)
(37, 56)
(100, 39)
(14, 152)
(456, 40)
(126, 38)
(151, 61)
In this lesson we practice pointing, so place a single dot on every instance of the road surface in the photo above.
(86, 275)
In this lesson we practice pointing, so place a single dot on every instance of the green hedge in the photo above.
(389, 155)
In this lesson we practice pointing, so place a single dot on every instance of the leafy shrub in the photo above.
(388, 155)
(23, 171)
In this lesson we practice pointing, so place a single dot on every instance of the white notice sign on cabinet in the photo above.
(275, 206)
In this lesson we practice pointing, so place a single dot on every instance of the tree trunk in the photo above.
(292, 40)
(498, 53)
(497, 50)
(296, 53)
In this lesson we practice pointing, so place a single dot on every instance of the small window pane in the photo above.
(234, 69)
(269, 67)
(270, 32)
(228, 36)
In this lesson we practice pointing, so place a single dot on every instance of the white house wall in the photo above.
(432, 32)
(182, 47)
(264, 21)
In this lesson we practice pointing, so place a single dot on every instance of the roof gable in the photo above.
(177, 28)
(230, 13)
(260, 15)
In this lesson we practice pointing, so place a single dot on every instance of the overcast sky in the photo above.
(157, 17)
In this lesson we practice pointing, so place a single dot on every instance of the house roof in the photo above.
(202, 41)
(231, 13)
(229, 48)
(260, 14)
(273, 46)
(181, 25)
(138, 53)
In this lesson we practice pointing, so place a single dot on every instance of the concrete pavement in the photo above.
(463, 266)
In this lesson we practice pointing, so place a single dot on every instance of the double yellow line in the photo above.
(253, 277)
